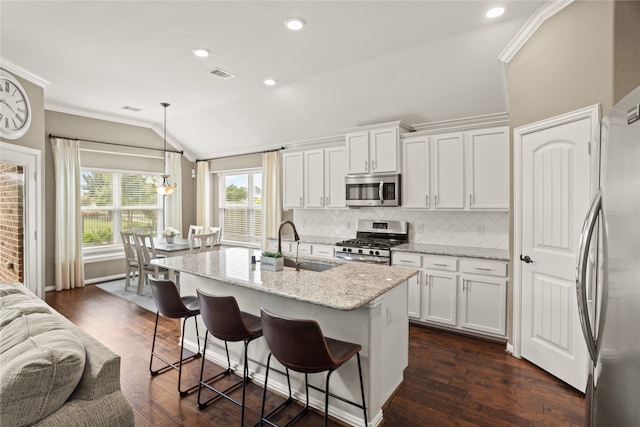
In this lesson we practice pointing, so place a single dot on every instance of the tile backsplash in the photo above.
(477, 229)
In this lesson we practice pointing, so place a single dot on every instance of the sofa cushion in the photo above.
(40, 371)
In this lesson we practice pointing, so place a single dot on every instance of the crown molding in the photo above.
(402, 125)
(456, 125)
(22, 73)
(545, 12)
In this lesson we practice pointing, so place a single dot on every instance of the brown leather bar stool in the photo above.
(170, 304)
(225, 321)
(299, 345)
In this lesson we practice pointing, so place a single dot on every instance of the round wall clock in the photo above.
(15, 110)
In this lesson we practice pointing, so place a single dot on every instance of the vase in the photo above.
(169, 239)
(271, 264)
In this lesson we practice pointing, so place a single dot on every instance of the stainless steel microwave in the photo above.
(373, 190)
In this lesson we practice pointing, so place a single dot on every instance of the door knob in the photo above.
(526, 259)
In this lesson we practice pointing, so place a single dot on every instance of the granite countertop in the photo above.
(348, 286)
(461, 251)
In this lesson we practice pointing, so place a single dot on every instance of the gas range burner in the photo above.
(373, 242)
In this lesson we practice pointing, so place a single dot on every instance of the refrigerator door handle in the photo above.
(581, 273)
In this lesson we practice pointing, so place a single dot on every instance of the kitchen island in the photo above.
(361, 303)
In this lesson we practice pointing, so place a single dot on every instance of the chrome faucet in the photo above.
(296, 237)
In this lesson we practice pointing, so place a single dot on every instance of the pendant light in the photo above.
(165, 189)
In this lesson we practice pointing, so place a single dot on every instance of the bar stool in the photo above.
(170, 304)
(299, 345)
(225, 321)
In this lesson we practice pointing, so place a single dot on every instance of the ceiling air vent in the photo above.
(130, 108)
(219, 72)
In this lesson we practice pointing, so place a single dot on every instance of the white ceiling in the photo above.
(355, 63)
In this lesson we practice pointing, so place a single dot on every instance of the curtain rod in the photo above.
(115, 143)
(243, 154)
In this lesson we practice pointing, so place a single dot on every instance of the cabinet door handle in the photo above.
(464, 285)
(470, 199)
(326, 201)
(426, 279)
(366, 165)
(300, 200)
(426, 200)
(436, 199)
(440, 265)
(321, 201)
(373, 164)
(484, 269)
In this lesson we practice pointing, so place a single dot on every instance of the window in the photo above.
(112, 202)
(241, 206)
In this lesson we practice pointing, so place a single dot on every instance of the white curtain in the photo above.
(203, 195)
(173, 204)
(271, 196)
(68, 236)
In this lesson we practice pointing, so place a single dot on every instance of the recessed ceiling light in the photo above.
(495, 12)
(270, 82)
(294, 24)
(201, 52)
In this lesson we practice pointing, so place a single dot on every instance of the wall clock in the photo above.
(15, 110)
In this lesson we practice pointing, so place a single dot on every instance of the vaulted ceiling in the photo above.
(354, 63)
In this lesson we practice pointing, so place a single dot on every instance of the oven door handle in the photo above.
(380, 192)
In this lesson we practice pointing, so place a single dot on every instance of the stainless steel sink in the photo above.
(309, 265)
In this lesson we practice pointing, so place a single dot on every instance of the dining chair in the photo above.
(146, 251)
(201, 242)
(194, 229)
(299, 345)
(218, 231)
(130, 257)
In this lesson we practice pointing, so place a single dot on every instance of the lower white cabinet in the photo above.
(465, 294)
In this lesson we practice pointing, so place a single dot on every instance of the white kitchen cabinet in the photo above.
(292, 180)
(483, 304)
(448, 171)
(314, 178)
(462, 294)
(323, 251)
(416, 172)
(487, 169)
(440, 297)
(374, 149)
(414, 296)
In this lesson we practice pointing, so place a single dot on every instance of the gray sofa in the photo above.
(51, 372)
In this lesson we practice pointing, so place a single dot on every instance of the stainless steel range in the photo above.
(373, 242)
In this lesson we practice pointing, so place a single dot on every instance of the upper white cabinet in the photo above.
(488, 168)
(456, 171)
(292, 182)
(314, 178)
(374, 150)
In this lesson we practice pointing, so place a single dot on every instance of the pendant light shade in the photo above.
(165, 188)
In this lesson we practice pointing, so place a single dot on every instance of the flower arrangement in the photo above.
(271, 261)
(170, 232)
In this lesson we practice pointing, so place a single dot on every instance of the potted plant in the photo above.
(169, 234)
(271, 261)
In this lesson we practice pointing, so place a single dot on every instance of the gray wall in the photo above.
(69, 125)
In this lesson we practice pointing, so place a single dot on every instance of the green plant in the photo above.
(272, 254)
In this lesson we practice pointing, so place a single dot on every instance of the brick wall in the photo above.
(11, 223)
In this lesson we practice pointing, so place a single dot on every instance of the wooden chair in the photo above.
(130, 257)
(201, 242)
(146, 251)
(194, 229)
(218, 231)
(300, 346)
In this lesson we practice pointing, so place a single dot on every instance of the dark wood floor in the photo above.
(451, 380)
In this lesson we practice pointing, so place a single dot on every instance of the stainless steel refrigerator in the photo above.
(608, 273)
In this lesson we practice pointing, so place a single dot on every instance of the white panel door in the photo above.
(555, 196)
(415, 172)
(448, 171)
(440, 297)
(292, 180)
(314, 178)
(334, 172)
